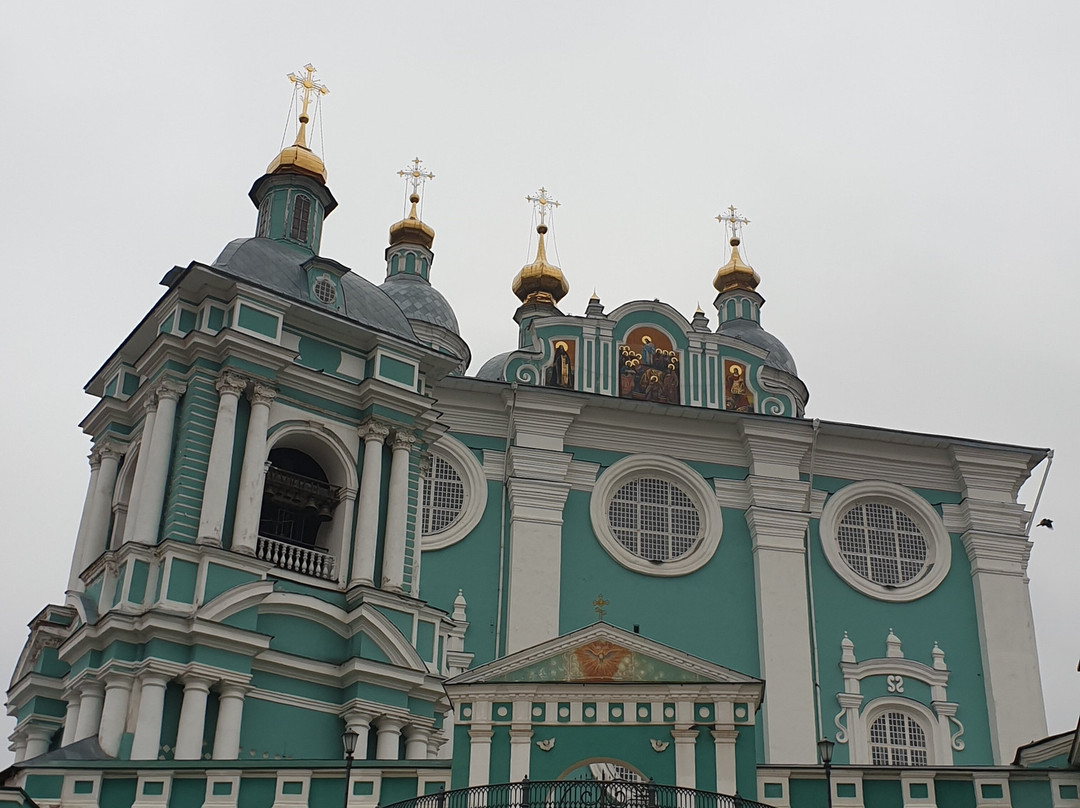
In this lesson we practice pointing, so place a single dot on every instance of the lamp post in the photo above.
(348, 740)
(825, 750)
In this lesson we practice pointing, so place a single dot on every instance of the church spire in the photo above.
(736, 282)
(541, 283)
(411, 230)
(298, 156)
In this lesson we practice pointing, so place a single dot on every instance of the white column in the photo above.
(219, 466)
(520, 746)
(388, 737)
(141, 463)
(148, 519)
(151, 707)
(114, 712)
(367, 522)
(724, 741)
(78, 558)
(18, 741)
(253, 472)
(685, 760)
(189, 735)
(230, 716)
(359, 722)
(397, 504)
(71, 718)
(479, 755)
(93, 694)
(37, 741)
(97, 529)
(416, 742)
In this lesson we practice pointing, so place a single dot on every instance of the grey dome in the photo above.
(492, 370)
(419, 300)
(749, 331)
(279, 268)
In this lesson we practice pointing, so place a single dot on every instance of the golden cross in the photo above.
(733, 220)
(309, 85)
(541, 202)
(598, 606)
(416, 175)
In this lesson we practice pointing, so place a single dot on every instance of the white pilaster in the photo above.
(97, 529)
(219, 466)
(252, 472)
(230, 717)
(78, 558)
(93, 696)
(367, 523)
(189, 735)
(520, 752)
(388, 737)
(148, 518)
(151, 707)
(114, 712)
(397, 504)
(71, 718)
(479, 755)
(141, 463)
(685, 762)
(724, 742)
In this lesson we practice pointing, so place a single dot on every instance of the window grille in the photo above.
(444, 496)
(882, 544)
(896, 739)
(264, 217)
(654, 519)
(324, 290)
(301, 213)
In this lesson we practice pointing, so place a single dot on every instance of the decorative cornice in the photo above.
(994, 553)
(988, 474)
(774, 450)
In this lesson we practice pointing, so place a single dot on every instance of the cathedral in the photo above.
(325, 558)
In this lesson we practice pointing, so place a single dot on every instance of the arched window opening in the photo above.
(297, 499)
(264, 217)
(897, 739)
(301, 214)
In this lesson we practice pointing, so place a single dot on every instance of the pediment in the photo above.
(602, 654)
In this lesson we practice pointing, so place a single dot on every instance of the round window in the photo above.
(324, 289)
(654, 519)
(882, 543)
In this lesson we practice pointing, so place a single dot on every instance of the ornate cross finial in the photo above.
(309, 85)
(599, 603)
(416, 175)
(733, 221)
(543, 203)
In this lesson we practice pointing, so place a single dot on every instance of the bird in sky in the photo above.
(1046, 523)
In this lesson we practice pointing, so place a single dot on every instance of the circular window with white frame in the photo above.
(885, 540)
(655, 515)
(454, 494)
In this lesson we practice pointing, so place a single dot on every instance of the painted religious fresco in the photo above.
(601, 661)
(737, 395)
(560, 373)
(649, 367)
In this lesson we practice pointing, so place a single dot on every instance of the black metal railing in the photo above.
(577, 794)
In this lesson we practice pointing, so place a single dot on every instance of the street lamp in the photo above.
(825, 750)
(348, 740)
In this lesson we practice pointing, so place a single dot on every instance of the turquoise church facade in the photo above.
(619, 551)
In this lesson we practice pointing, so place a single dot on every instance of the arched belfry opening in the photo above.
(298, 499)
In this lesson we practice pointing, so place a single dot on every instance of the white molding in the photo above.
(939, 548)
(677, 473)
(937, 754)
(474, 482)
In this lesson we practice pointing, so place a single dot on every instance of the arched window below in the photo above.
(297, 499)
(301, 214)
(897, 739)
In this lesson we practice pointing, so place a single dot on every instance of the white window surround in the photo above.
(468, 468)
(919, 713)
(939, 547)
(677, 473)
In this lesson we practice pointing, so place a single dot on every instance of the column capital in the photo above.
(358, 717)
(682, 736)
(170, 389)
(95, 459)
(90, 687)
(415, 731)
(262, 394)
(108, 451)
(425, 463)
(233, 690)
(118, 678)
(196, 682)
(390, 723)
(231, 384)
(373, 430)
(402, 440)
(154, 678)
(150, 405)
(724, 735)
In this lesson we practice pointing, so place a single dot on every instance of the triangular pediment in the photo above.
(602, 654)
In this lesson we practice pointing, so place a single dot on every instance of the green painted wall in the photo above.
(191, 451)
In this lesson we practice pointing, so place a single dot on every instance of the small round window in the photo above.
(444, 497)
(882, 544)
(325, 290)
(654, 519)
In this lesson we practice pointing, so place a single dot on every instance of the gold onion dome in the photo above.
(540, 282)
(735, 274)
(411, 230)
(298, 158)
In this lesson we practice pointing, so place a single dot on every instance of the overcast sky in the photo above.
(910, 172)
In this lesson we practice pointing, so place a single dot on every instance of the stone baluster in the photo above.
(157, 462)
(253, 472)
(367, 523)
(393, 569)
(219, 466)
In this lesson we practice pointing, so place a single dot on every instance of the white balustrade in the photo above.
(305, 560)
